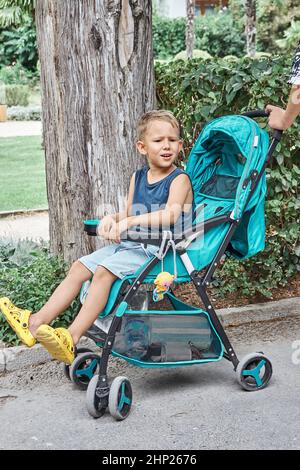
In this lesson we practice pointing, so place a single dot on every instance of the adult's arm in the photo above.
(282, 119)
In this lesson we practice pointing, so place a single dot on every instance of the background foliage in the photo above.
(274, 17)
(29, 275)
(217, 34)
(222, 33)
(198, 91)
(18, 45)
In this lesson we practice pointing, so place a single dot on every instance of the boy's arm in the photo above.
(179, 189)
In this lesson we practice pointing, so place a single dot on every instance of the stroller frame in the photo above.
(102, 389)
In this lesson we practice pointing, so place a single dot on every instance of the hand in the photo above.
(120, 227)
(277, 119)
(107, 223)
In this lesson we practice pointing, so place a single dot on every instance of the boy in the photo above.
(158, 193)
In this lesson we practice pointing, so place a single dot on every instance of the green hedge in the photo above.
(217, 34)
(29, 275)
(18, 75)
(27, 113)
(168, 36)
(17, 95)
(198, 91)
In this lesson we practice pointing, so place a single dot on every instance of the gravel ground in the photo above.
(52, 372)
(199, 407)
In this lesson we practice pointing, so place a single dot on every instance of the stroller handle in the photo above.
(256, 113)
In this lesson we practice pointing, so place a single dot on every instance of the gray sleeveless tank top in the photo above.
(151, 197)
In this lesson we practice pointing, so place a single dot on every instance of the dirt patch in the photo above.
(187, 292)
(6, 398)
(28, 378)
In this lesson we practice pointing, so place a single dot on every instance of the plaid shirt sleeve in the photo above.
(295, 72)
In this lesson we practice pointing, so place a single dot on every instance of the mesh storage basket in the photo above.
(172, 337)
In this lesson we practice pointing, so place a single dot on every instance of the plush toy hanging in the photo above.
(163, 283)
(164, 279)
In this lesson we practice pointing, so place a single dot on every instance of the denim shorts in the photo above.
(121, 259)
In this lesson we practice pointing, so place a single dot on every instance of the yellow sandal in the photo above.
(18, 320)
(58, 342)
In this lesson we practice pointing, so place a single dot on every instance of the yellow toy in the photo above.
(163, 282)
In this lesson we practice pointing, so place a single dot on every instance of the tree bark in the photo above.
(251, 27)
(97, 79)
(190, 35)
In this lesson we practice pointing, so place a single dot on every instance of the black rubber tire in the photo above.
(120, 393)
(92, 401)
(262, 372)
(66, 367)
(87, 361)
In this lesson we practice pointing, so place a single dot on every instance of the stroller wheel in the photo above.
(83, 369)
(254, 372)
(66, 367)
(94, 404)
(120, 398)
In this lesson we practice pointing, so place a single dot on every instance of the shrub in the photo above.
(17, 75)
(18, 44)
(219, 35)
(29, 113)
(197, 92)
(17, 95)
(2, 94)
(168, 36)
(216, 34)
(197, 54)
(274, 17)
(29, 275)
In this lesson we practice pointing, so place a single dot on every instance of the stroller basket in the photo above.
(167, 338)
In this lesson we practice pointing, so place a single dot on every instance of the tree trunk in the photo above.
(190, 35)
(97, 79)
(251, 27)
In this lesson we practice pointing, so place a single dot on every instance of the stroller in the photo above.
(227, 169)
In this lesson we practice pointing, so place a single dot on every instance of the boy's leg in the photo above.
(62, 297)
(94, 303)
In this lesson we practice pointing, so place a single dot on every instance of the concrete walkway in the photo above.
(26, 226)
(190, 408)
(20, 128)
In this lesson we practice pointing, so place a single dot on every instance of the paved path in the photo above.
(199, 407)
(30, 226)
(20, 128)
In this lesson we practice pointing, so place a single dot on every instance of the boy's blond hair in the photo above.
(155, 115)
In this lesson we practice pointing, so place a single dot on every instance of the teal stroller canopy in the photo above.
(226, 159)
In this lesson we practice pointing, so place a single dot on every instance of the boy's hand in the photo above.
(106, 225)
(120, 227)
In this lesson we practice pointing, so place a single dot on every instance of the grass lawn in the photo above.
(22, 174)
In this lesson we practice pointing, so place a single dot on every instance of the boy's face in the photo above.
(161, 144)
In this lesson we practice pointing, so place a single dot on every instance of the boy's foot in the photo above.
(18, 320)
(58, 342)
